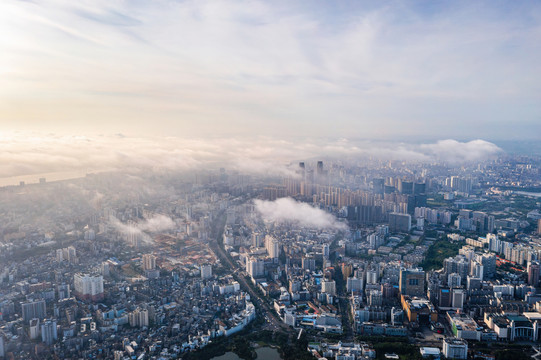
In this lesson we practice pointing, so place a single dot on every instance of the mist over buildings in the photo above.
(23, 155)
(287, 210)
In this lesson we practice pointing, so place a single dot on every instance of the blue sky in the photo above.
(354, 69)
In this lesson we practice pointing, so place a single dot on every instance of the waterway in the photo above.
(264, 353)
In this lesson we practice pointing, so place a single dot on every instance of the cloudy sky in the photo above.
(355, 69)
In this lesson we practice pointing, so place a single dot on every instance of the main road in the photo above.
(216, 245)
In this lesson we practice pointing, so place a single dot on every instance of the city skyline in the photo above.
(278, 180)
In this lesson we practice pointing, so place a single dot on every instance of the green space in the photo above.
(436, 200)
(400, 346)
(503, 351)
(437, 252)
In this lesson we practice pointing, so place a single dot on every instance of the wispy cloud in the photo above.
(223, 67)
(154, 224)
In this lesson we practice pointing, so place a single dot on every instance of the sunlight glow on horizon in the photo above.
(224, 68)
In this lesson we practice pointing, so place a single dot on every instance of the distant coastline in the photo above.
(49, 177)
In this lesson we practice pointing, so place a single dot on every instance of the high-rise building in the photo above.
(257, 240)
(134, 237)
(477, 270)
(255, 267)
(458, 298)
(347, 270)
(88, 287)
(325, 250)
(533, 273)
(319, 168)
(375, 241)
(33, 309)
(33, 330)
(309, 263)
(63, 291)
(328, 287)
(49, 332)
(454, 348)
(59, 255)
(454, 280)
(138, 318)
(377, 185)
(206, 271)
(405, 187)
(375, 298)
(444, 297)
(149, 262)
(70, 254)
(372, 276)
(2, 348)
(354, 284)
(412, 282)
(294, 286)
(488, 261)
(399, 222)
(105, 268)
(473, 283)
(462, 185)
(273, 247)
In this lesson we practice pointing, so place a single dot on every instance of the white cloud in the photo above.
(155, 224)
(455, 152)
(287, 210)
(224, 67)
(24, 154)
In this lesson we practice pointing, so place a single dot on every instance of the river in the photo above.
(264, 353)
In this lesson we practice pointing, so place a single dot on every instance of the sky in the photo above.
(385, 70)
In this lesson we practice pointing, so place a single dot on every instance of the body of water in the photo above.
(264, 353)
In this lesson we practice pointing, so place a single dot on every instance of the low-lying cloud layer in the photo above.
(287, 210)
(22, 155)
(455, 152)
(154, 224)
